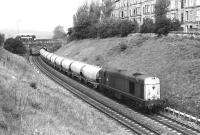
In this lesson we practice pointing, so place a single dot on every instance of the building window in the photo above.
(182, 3)
(130, 12)
(152, 8)
(122, 14)
(182, 17)
(143, 10)
(187, 15)
(138, 11)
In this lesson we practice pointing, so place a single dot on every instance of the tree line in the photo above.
(162, 24)
(13, 45)
(94, 21)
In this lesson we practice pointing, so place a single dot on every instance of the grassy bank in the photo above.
(33, 104)
(175, 60)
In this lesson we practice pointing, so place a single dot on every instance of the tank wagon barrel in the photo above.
(59, 60)
(49, 56)
(77, 66)
(53, 58)
(91, 72)
(66, 64)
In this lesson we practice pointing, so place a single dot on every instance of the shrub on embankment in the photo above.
(14, 45)
(90, 23)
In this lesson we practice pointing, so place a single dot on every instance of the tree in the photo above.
(107, 8)
(148, 26)
(161, 8)
(85, 21)
(59, 33)
(2, 38)
(94, 12)
(175, 25)
(126, 27)
(163, 26)
(162, 23)
(15, 46)
(81, 18)
(33, 37)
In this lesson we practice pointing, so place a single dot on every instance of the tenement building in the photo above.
(186, 11)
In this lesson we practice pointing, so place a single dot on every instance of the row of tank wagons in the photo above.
(74, 68)
(142, 89)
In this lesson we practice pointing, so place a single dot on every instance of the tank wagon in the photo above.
(90, 73)
(65, 65)
(58, 62)
(139, 90)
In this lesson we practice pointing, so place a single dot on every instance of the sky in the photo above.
(37, 15)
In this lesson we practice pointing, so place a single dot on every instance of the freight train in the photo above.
(139, 90)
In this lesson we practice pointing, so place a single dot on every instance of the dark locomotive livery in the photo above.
(138, 89)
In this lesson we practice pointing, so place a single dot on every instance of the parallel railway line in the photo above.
(126, 117)
(175, 125)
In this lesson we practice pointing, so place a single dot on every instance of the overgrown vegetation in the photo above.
(59, 33)
(95, 21)
(2, 38)
(14, 45)
(162, 24)
(148, 26)
(90, 23)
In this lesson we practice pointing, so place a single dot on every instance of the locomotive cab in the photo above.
(151, 88)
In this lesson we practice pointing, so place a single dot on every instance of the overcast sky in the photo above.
(39, 15)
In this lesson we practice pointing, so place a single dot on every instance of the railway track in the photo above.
(175, 125)
(135, 122)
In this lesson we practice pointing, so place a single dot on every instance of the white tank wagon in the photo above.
(76, 68)
(66, 65)
(91, 72)
(53, 58)
(58, 62)
(42, 51)
(44, 54)
(49, 56)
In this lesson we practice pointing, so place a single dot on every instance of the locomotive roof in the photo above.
(137, 76)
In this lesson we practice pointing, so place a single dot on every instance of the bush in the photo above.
(92, 31)
(123, 46)
(113, 27)
(175, 25)
(148, 26)
(126, 27)
(162, 26)
(15, 46)
(2, 37)
(108, 28)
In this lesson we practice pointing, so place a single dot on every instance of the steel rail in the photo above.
(180, 126)
(174, 125)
